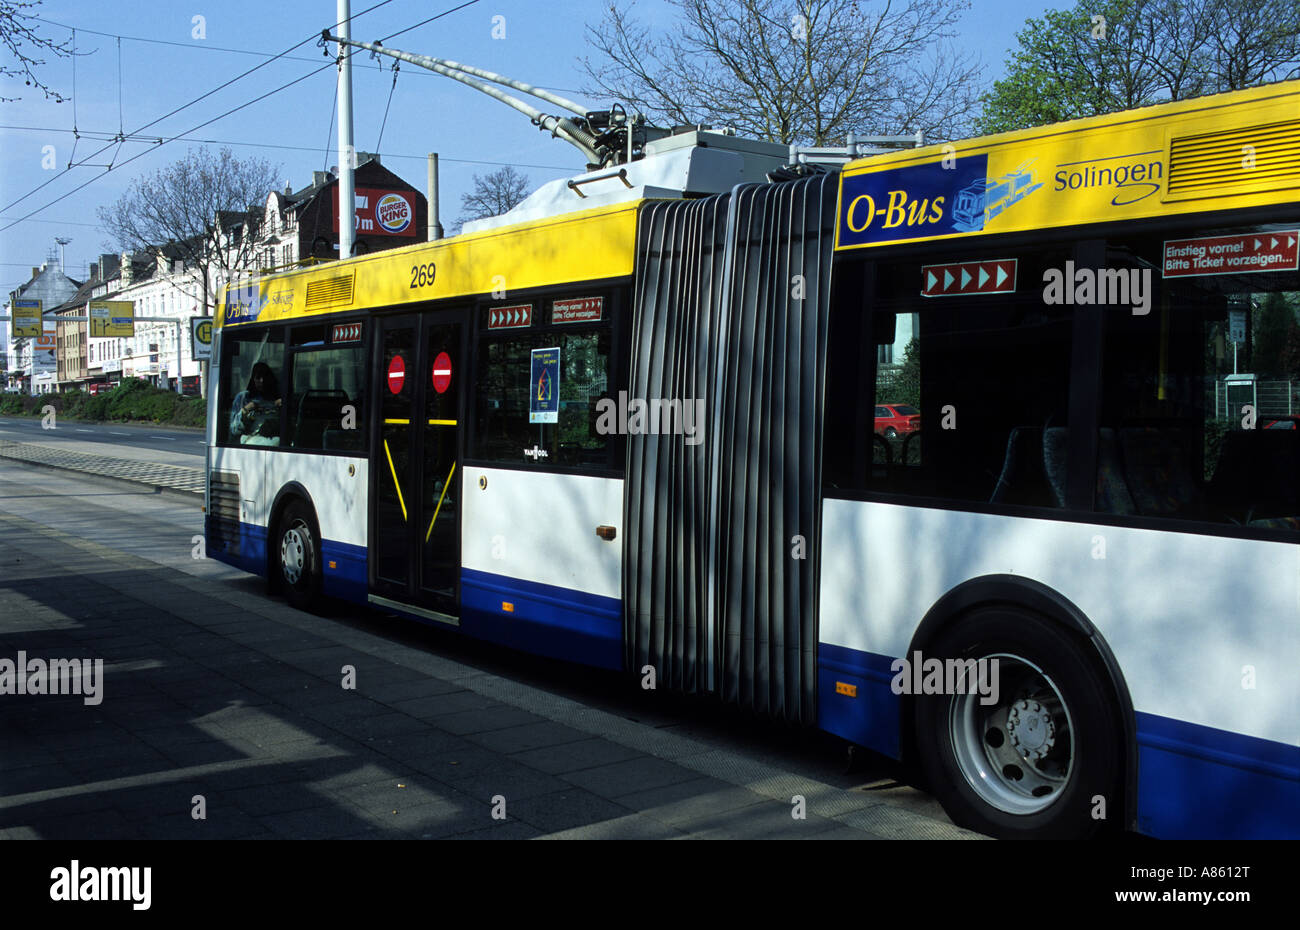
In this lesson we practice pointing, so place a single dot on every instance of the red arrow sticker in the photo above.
(515, 317)
(996, 276)
(396, 374)
(346, 332)
(442, 372)
(1245, 254)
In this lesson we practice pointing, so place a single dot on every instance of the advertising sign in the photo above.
(382, 213)
(544, 386)
(44, 359)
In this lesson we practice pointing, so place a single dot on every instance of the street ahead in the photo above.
(172, 446)
(225, 713)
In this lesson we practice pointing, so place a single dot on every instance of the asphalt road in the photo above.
(179, 446)
(212, 688)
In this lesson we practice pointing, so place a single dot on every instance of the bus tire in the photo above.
(298, 558)
(1043, 760)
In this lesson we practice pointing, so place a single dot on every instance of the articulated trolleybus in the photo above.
(631, 423)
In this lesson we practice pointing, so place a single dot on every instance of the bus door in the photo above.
(415, 521)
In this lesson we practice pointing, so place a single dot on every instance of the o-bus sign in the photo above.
(442, 372)
(396, 374)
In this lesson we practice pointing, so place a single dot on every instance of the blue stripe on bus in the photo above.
(1234, 786)
(869, 718)
(347, 579)
(251, 552)
(1241, 787)
(547, 620)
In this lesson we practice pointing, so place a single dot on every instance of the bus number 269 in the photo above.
(422, 275)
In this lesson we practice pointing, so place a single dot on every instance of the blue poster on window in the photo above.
(544, 386)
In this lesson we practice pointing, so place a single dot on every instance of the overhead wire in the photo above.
(191, 103)
(214, 119)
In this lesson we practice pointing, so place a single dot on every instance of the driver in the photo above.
(255, 415)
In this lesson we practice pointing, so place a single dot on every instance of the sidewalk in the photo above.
(215, 695)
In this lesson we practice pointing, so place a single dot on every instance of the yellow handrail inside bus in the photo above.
(445, 486)
(396, 483)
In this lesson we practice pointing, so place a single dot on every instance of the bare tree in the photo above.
(793, 71)
(23, 43)
(493, 194)
(203, 211)
(1253, 41)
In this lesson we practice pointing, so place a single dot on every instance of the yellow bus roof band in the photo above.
(1226, 151)
(589, 245)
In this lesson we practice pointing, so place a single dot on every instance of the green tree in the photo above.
(1099, 57)
(1274, 320)
(906, 386)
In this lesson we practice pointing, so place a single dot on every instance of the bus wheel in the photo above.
(300, 559)
(1029, 750)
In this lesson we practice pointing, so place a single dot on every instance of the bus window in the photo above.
(973, 407)
(504, 433)
(326, 404)
(1192, 389)
(252, 389)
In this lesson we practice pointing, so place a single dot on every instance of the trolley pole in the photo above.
(347, 189)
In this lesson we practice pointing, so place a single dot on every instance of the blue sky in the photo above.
(544, 43)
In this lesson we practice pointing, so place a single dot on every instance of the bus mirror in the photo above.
(883, 328)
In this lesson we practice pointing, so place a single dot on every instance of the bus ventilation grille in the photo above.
(1257, 158)
(223, 511)
(330, 292)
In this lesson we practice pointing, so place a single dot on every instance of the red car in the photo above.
(894, 420)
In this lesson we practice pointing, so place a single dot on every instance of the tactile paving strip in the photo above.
(176, 477)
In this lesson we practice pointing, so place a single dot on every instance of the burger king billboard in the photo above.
(383, 213)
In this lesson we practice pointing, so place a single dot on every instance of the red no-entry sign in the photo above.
(441, 372)
(396, 374)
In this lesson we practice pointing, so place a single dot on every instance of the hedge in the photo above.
(133, 399)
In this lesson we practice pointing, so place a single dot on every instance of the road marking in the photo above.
(168, 438)
(84, 431)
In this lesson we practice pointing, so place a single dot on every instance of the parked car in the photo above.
(894, 420)
(1282, 423)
